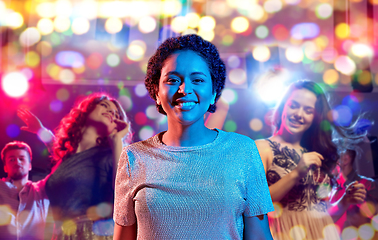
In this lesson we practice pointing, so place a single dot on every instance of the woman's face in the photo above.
(299, 111)
(102, 117)
(185, 87)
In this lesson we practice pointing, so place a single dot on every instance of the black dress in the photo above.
(81, 195)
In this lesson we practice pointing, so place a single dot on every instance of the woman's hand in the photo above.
(307, 161)
(33, 124)
(121, 130)
(355, 193)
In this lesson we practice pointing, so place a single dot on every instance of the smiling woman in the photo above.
(190, 182)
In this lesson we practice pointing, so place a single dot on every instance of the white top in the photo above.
(199, 192)
(23, 215)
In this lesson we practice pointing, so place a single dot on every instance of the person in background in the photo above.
(190, 182)
(86, 149)
(23, 204)
(299, 159)
(359, 214)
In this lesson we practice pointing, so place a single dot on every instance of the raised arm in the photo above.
(116, 143)
(279, 189)
(34, 125)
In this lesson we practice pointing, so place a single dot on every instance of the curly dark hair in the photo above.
(68, 134)
(194, 43)
(319, 137)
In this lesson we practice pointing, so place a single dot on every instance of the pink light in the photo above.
(15, 84)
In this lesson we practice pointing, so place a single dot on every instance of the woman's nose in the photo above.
(185, 88)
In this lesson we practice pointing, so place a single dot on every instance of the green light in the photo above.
(230, 126)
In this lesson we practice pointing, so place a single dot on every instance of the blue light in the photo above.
(13, 130)
(305, 30)
(69, 59)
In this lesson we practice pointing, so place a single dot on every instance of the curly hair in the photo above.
(319, 137)
(68, 134)
(194, 43)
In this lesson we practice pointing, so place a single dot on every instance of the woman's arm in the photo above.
(125, 232)
(257, 227)
(355, 193)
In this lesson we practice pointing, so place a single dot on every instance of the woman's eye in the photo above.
(198, 80)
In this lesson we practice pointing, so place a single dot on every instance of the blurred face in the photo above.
(102, 117)
(17, 164)
(185, 88)
(299, 111)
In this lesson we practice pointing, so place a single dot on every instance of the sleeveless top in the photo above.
(302, 212)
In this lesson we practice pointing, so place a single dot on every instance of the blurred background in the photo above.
(53, 52)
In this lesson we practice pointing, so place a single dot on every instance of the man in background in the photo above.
(23, 204)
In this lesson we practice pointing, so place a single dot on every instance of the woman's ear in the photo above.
(158, 102)
(214, 97)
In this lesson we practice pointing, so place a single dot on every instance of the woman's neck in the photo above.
(88, 139)
(291, 139)
(187, 135)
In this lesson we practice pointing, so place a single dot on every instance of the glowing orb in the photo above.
(15, 84)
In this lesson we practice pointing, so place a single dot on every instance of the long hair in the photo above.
(69, 132)
(319, 136)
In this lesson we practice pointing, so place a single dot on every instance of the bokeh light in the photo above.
(66, 76)
(261, 53)
(63, 8)
(179, 24)
(94, 60)
(113, 25)
(56, 105)
(298, 232)
(324, 10)
(239, 24)
(147, 24)
(69, 59)
(362, 50)
(366, 231)
(278, 209)
(329, 230)
(342, 115)
(256, 124)
(262, 31)
(12, 130)
(230, 126)
(171, 7)
(342, 30)
(5, 216)
(207, 24)
(140, 118)
(146, 132)
(193, 19)
(80, 26)
(280, 32)
(272, 6)
(233, 61)
(305, 30)
(29, 37)
(14, 84)
(44, 135)
(46, 9)
(229, 96)
(345, 65)
(367, 209)
(62, 94)
(152, 112)
(62, 24)
(330, 76)
(136, 50)
(237, 76)
(256, 12)
(294, 54)
(349, 233)
(32, 59)
(45, 26)
(140, 90)
(113, 60)
(14, 20)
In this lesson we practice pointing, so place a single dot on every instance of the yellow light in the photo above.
(329, 230)
(278, 209)
(87, 9)
(362, 50)
(62, 24)
(32, 59)
(342, 30)
(80, 26)
(120, 9)
(147, 24)
(208, 36)
(179, 24)
(69, 227)
(256, 12)
(46, 10)
(311, 50)
(237, 76)
(53, 71)
(256, 124)
(63, 8)
(207, 24)
(329, 55)
(272, 6)
(79, 70)
(45, 26)
(136, 50)
(366, 231)
(331, 76)
(44, 48)
(6, 213)
(239, 24)
(345, 65)
(261, 53)
(29, 37)
(14, 20)
(193, 19)
(321, 42)
(364, 78)
(298, 232)
(294, 54)
(171, 7)
(113, 25)
(66, 76)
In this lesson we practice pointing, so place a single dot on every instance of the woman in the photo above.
(87, 146)
(190, 182)
(299, 159)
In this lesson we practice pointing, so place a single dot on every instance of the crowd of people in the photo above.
(190, 181)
